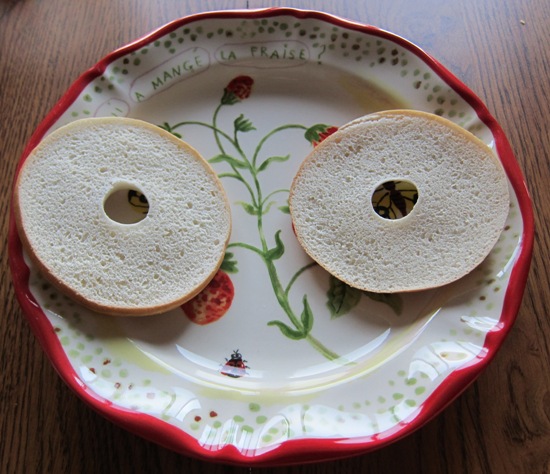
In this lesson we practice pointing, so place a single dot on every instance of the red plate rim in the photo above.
(300, 450)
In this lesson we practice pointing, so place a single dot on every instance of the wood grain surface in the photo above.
(499, 48)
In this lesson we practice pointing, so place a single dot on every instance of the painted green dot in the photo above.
(254, 407)
(419, 390)
(98, 350)
(194, 426)
(156, 44)
(80, 346)
(404, 72)
(381, 399)
(266, 438)
(439, 111)
(74, 353)
(238, 419)
(98, 89)
(247, 429)
(452, 113)
(401, 373)
(65, 340)
(144, 51)
(391, 383)
(137, 62)
(123, 373)
(410, 381)
(208, 35)
(86, 358)
(356, 405)
(410, 402)
(74, 114)
(261, 419)
(106, 373)
(217, 424)
(167, 43)
(397, 396)
(427, 75)
(273, 431)
(146, 382)
(436, 88)
(87, 97)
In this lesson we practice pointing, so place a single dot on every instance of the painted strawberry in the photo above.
(317, 133)
(212, 302)
(238, 89)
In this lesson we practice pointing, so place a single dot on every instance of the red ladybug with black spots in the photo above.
(235, 366)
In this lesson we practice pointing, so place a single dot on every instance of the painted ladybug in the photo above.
(236, 366)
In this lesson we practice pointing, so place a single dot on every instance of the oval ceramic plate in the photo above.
(300, 367)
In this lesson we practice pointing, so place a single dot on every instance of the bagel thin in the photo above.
(462, 202)
(135, 269)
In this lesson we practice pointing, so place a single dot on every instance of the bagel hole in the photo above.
(394, 199)
(126, 204)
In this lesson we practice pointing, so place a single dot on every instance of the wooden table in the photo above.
(499, 48)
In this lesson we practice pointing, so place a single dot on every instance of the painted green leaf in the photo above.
(229, 264)
(242, 124)
(287, 330)
(231, 175)
(249, 208)
(279, 249)
(267, 208)
(307, 317)
(228, 159)
(394, 301)
(272, 159)
(342, 298)
(284, 209)
(166, 126)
